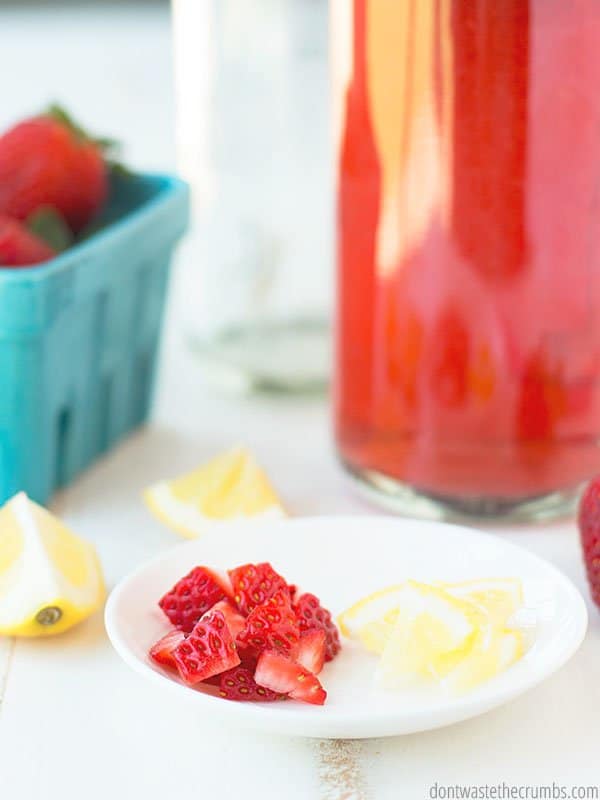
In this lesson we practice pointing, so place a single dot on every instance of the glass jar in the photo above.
(253, 140)
(468, 328)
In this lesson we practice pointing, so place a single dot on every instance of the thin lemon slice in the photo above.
(372, 619)
(499, 598)
(230, 487)
(494, 650)
(49, 578)
(432, 634)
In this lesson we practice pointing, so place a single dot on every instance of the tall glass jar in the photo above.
(468, 329)
(253, 140)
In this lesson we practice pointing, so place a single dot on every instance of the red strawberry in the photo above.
(271, 626)
(191, 597)
(233, 619)
(49, 161)
(589, 529)
(162, 651)
(19, 247)
(312, 616)
(284, 676)
(239, 684)
(254, 584)
(312, 650)
(208, 650)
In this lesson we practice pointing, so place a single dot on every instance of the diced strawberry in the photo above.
(234, 620)
(312, 616)
(312, 650)
(254, 584)
(208, 650)
(310, 691)
(272, 626)
(162, 651)
(239, 684)
(284, 676)
(192, 596)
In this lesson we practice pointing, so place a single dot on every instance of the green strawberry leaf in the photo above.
(109, 147)
(49, 225)
(118, 169)
(90, 229)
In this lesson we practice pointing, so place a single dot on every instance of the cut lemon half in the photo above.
(433, 633)
(50, 579)
(230, 487)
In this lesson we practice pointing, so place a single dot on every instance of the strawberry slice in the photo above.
(208, 650)
(283, 675)
(271, 626)
(312, 616)
(193, 596)
(311, 651)
(162, 651)
(239, 684)
(234, 620)
(254, 584)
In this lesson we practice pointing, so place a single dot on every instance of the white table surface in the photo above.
(76, 722)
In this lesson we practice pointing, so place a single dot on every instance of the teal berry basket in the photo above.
(79, 337)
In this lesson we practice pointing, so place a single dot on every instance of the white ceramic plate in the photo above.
(341, 559)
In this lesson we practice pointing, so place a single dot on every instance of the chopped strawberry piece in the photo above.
(208, 650)
(284, 676)
(254, 584)
(239, 684)
(271, 626)
(312, 616)
(191, 597)
(234, 620)
(162, 651)
(311, 651)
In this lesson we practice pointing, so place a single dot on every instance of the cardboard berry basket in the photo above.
(79, 337)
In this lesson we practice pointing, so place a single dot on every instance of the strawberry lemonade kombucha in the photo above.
(468, 327)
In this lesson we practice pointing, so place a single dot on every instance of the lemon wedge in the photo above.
(230, 487)
(50, 579)
(433, 633)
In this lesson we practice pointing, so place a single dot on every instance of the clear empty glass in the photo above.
(253, 140)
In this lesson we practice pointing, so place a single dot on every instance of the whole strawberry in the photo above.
(589, 529)
(49, 161)
(19, 247)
